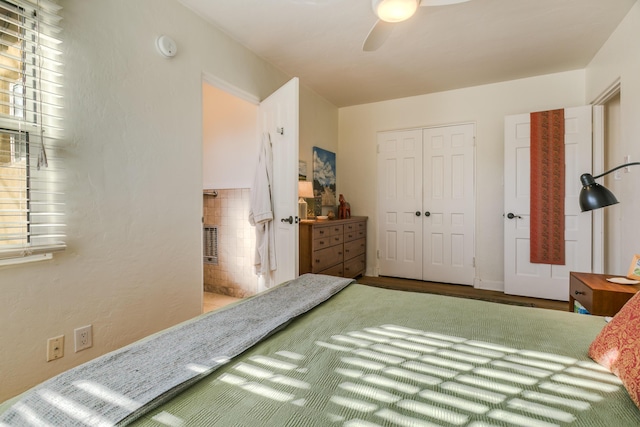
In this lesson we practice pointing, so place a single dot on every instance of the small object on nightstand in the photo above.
(622, 281)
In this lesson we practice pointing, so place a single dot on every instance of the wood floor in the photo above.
(460, 291)
(213, 301)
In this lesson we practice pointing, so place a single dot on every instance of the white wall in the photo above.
(486, 106)
(133, 181)
(318, 127)
(230, 139)
(619, 58)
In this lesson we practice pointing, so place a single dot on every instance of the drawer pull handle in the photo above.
(346, 251)
(580, 293)
(317, 261)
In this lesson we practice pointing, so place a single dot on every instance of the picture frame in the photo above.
(324, 177)
(634, 268)
(302, 170)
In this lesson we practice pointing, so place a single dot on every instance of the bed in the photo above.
(355, 356)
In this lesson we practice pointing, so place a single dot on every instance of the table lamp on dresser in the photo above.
(305, 191)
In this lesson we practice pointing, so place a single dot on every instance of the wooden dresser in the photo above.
(334, 247)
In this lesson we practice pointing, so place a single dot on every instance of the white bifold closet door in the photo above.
(426, 198)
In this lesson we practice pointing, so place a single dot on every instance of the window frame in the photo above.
(33, 114)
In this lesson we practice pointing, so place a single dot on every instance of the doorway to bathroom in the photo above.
(229, 148)
(232, 120)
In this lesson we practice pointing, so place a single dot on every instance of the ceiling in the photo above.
(439, 48)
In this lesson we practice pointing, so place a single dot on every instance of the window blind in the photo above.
(31, 128)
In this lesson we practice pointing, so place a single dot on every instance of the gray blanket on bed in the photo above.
(120, 385)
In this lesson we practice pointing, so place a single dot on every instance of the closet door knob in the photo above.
(418, 213)
(427, 213)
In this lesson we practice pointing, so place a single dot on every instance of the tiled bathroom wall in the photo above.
(234, 275)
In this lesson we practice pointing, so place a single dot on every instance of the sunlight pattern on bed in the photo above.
(409, 377)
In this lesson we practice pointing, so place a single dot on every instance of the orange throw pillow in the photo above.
(617, 347)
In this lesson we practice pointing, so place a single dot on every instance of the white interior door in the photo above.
(449, 204)
(399, 203)
(543, 280)
(278, 115)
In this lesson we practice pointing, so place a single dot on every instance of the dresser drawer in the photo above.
(325, 258)
(336, 270)
(353, 235)
(326, 242)
(354, 248)
(354, 266)
(354, 226)
(327, 231)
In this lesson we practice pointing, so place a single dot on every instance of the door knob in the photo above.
(418, 213)
(511, 216)
(427, 213)
(289, 220)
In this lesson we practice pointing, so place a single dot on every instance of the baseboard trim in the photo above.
(489, 285)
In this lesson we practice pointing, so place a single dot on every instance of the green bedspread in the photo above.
(375, 357)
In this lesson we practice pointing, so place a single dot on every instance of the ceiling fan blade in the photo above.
(379, 33)
(440, 2)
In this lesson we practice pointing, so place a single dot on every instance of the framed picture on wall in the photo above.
(634, 268)
(302, 170)
(324, 176)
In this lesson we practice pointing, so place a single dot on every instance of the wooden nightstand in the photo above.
(597, 295)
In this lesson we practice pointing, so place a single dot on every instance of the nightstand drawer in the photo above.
(581, 293)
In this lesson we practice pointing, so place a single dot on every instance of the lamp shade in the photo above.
(394, 10)
(305, 189)
(594, 195)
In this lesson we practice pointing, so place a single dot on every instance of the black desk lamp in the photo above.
(595, 196)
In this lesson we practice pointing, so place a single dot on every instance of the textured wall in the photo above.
(486, 106)
(133, 181)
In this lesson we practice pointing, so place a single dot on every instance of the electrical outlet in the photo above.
(55, 348)
(83, 337)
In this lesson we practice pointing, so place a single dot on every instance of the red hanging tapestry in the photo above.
(547, 187)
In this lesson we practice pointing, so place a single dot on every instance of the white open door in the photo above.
(278, 115)
(544, 280)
